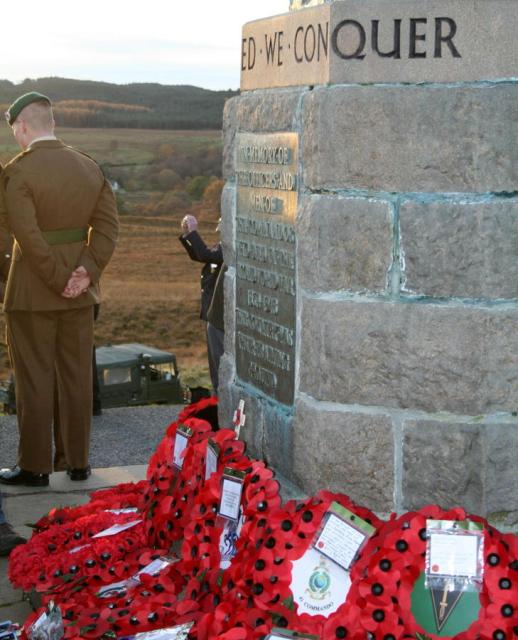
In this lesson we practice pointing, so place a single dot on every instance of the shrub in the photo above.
(196, 186)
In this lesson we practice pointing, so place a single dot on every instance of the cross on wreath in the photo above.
(239, 418)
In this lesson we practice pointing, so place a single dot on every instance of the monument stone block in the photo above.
(252, 432)
(344, 243)
(460, 249)
(278, 439)
(230, 315)
(411, 138)
(375, 41)
(501, 472)
(229, 396)
(228, 221)
(360, 461)
(443, 463)
(226, 377)
(420, 356)
(274, 51)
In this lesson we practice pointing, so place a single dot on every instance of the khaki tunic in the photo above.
(52, 187)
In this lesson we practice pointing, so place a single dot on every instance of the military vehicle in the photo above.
(129, 374)
(132, 374)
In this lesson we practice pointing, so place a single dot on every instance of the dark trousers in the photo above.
(60, 460)
(2, 514)
(52, 350)
(215, 349)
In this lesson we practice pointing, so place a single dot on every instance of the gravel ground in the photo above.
(120, 437)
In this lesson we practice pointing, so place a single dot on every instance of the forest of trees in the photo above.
(84, 103)
(172, 181)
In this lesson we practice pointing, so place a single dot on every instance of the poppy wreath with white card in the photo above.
(165, 502)
(212, 542)
(395, 602)
(191, 478)
(259, 585)
(162, 452)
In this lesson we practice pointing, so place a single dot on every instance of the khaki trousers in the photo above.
(51, 351)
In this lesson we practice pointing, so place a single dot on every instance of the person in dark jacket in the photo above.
(212, 257)
(216, 322)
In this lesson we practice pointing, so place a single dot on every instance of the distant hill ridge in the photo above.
(86, 103)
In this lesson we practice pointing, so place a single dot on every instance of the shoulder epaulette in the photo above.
(83, 153)
(17, 158)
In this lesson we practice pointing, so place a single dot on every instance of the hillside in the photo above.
(84, 103)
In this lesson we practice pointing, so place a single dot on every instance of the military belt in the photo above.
(65, 236)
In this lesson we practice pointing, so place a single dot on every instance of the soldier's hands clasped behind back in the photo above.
(78, 283)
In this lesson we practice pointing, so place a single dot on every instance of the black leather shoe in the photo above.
(21, 476)
(79, 474)
(9, 539)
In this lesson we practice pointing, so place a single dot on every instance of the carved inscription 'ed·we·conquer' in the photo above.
(365, 41)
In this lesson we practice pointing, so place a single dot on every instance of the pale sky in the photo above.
(193, 42)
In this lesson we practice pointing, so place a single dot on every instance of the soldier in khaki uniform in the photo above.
(61, 211)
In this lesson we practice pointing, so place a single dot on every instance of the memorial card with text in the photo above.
(266, 177)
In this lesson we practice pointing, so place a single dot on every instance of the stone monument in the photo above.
(370, 225)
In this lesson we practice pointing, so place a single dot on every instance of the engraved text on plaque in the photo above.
(266, 177)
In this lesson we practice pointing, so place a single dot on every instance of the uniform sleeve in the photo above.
(6, 240)
(198, 250)
(187, 245)
(22, 220)
(104, 232)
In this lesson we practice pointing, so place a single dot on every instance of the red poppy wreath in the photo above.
(123, 496)
(71, 550)
(150, 604)
(395, 602)
(281, 581)
(172, 481)
(211, 541)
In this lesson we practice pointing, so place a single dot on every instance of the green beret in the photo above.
(20, 103)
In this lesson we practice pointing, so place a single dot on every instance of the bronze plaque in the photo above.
(267, 184)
